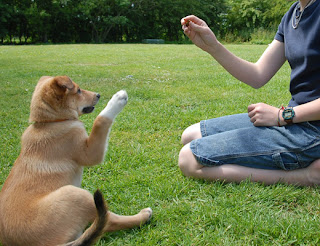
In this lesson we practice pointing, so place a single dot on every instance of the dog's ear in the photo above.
(64, 83)
(60, 85)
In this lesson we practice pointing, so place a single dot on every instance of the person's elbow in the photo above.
(257, 83)
(259, 79)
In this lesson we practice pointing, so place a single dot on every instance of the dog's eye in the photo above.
(79, 91)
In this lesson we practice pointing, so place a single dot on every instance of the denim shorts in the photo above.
(235, 140)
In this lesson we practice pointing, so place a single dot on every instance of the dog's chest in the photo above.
(77, 178)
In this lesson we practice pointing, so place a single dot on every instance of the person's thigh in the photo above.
(215, 125)
(231, 142)
(224, 124)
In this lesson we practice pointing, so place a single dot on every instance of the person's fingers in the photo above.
(191, 18)
(251, 107)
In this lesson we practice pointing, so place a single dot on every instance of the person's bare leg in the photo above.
(234, 173)
(191, 133)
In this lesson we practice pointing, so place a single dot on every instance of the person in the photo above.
(267, 144)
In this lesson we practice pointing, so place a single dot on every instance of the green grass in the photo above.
(170, 87)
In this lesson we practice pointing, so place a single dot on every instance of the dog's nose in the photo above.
(98, 95)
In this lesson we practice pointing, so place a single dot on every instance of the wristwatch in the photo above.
(288, 114)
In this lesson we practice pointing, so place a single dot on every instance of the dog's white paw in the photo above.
(146, 215)
(115, 105)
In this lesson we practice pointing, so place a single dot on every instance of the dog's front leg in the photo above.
(97, 142)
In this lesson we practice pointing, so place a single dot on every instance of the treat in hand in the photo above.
(187, 22)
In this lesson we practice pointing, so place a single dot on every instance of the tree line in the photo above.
(108, 21)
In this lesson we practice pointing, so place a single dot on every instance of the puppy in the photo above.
(41, 202)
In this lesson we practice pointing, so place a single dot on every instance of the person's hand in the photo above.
(262, 114)
(199, 32)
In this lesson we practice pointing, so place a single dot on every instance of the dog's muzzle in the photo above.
(88, 110)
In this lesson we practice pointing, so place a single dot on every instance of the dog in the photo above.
(41, 202)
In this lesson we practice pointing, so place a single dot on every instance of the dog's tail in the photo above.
(95, 231)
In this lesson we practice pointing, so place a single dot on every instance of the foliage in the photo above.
(245, 17)
(99, 21)
(170, 87)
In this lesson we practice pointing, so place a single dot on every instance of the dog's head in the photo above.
(59, 98)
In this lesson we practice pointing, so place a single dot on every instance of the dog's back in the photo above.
(41, 202)
(49, 159)
(46, 155)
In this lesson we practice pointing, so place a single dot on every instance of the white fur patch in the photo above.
(115, 105)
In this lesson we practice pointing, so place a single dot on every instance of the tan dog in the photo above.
(41, 202)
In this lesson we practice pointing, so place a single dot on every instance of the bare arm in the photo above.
(262, 114)
(254, 74)
(307, 112)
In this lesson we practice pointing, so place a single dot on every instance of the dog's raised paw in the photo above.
(121, 98)
(115, 105)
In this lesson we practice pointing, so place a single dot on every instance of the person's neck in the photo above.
(304, 3)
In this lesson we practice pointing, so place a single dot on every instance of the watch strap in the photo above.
(281, 108)
(289, 121)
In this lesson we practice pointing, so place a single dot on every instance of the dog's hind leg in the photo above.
(70, 209)
(119, 222)
(67, 212)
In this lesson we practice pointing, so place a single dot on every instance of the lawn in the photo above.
(170, 87)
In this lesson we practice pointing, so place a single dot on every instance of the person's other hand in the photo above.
(262, 114)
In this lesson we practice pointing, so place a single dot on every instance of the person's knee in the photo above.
(191, 133)
(184, 160)
(185, 137)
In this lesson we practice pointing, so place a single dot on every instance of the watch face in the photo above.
(288, 114)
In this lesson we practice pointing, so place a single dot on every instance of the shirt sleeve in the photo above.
(280, 34)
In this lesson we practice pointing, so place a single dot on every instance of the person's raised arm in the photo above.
(254, 74)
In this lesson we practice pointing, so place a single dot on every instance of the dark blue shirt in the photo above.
(302, 50)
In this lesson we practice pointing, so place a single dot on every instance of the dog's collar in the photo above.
(51, 121)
